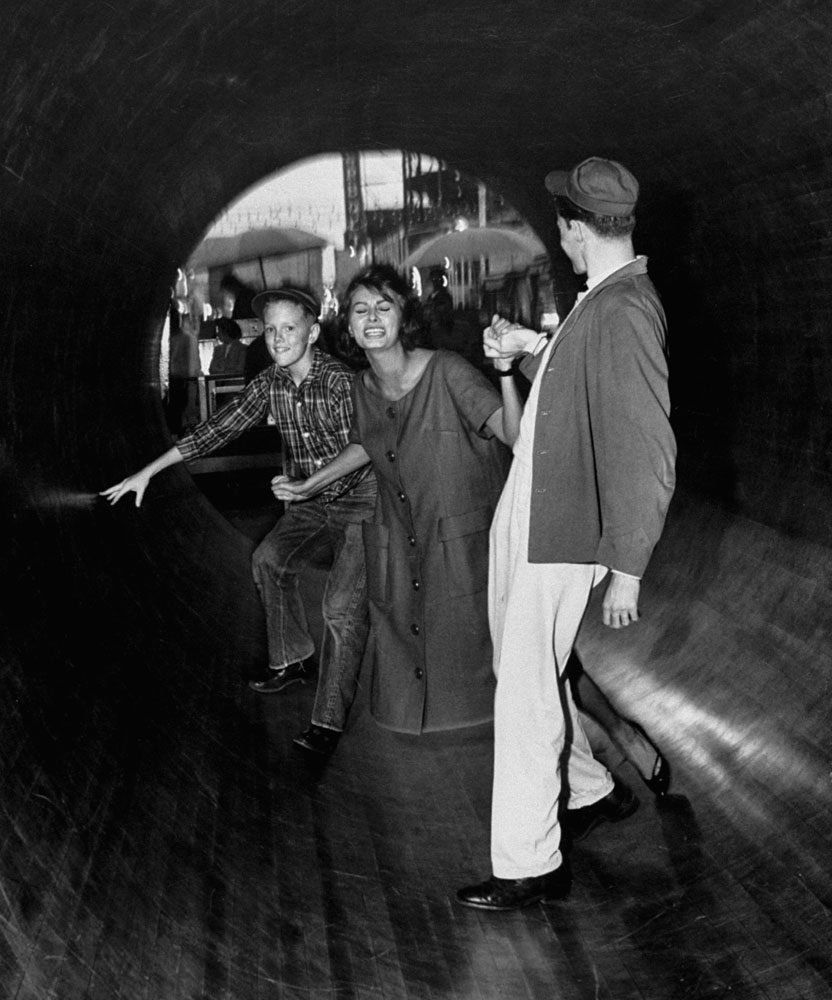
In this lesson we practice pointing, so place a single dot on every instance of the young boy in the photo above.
(308, 395)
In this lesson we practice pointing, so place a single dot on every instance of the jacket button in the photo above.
(415, 584)
(401, 496)
(419, 673)
(391, 412)
(414, 629)
(411, 539)
(391, 456)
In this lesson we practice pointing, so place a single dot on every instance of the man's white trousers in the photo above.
(535, 610)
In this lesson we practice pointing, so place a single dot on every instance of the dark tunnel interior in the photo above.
(131, 863)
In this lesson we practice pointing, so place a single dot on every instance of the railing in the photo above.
(216, 390)
(259, 447)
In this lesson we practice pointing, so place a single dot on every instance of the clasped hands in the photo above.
(504, 340)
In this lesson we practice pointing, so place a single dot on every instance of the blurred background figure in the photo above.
(182, 408)
(439, 310)
(194, 304)
(236, 298)
(229, 357)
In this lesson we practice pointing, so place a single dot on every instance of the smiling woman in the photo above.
(436, 432)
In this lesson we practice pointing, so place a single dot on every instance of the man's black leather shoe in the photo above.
(294, 673)
(618, 804)
(514, 893)
(318, 740)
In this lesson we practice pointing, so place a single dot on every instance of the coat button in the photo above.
(391, 412)
(419, 673)
(391, 456)
(414, 629)
(415, 584)
(411, 539)
(401, 496)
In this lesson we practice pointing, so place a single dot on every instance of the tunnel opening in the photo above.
(315, 223)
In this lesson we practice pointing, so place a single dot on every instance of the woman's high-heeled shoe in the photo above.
(659, 780)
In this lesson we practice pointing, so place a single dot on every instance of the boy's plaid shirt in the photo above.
(313, 420)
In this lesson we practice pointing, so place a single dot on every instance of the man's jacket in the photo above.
(604, 451)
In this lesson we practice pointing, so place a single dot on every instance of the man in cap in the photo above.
(591, 480)
(308, 394)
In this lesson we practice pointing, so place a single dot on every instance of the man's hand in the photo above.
(506, 340)
(620, 606)
(289, 490)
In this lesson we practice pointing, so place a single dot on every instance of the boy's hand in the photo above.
(289, 490)
(136, 483)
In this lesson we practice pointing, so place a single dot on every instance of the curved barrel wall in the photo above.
(127, 127)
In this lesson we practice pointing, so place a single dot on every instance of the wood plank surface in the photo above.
(207, 858)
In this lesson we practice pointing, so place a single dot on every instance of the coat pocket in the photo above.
(464, 540)
(376, 554)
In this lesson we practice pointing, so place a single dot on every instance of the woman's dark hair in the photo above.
(387, 281)
(606, 226)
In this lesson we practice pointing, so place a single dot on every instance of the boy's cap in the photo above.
(603, 187)
(302, 296)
